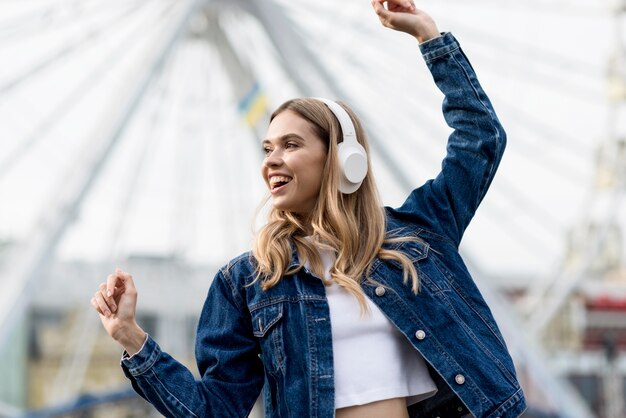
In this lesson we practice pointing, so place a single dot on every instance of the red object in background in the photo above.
(606, 303)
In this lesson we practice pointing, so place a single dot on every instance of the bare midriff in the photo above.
(387, 408)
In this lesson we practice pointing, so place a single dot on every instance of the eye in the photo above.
(266, 150)
(291, 145)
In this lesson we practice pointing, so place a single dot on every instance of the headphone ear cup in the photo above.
(353, 165)
(352, 156)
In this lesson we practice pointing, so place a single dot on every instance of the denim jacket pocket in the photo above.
(419, 252)
(415, 250)
(266, 326)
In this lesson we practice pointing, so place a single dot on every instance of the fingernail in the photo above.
(113, 308)
(108, 293)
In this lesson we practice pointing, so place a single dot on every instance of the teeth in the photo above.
(279, 179)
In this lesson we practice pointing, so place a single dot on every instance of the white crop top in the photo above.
(372, 359)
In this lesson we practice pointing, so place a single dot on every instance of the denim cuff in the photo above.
(439, 46)
(144, 359)
(125, 355)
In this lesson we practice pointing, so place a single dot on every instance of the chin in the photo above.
(283, 207)
(290, 209)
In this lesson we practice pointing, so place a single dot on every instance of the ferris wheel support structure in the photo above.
(30, 258)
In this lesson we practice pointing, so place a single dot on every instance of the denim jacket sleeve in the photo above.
(447, 203)
(226, 352)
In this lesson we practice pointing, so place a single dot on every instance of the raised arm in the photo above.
(447, 204)
(231, 373)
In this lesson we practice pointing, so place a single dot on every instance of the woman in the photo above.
(411, 335)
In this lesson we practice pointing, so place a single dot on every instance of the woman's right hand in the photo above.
(116, 302)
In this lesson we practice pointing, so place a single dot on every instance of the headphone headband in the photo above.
(347, 127)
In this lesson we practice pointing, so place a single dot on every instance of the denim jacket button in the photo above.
(420, 335)
(380, 291)
(459, 378)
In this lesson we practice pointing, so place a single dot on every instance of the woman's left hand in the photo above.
(403, 16)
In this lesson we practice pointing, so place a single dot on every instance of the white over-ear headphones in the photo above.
(352, 156)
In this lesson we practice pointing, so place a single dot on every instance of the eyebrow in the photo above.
(284, 138)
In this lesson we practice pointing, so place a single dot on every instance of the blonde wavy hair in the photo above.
(352, 226)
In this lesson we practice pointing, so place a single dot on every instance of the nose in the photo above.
(273, 159)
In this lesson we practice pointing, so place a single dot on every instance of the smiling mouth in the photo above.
(278, 182)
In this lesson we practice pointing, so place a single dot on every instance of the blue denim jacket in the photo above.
(280, 339)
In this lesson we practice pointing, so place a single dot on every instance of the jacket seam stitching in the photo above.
(492, 118)
(142, 369)
(511, 400)
(291, 299)
(445, 50)
(156, 377)
(237, 298)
